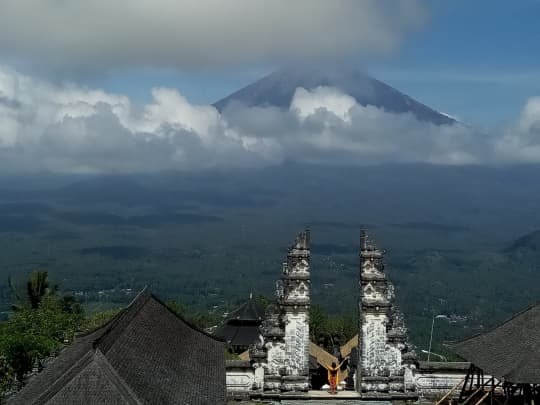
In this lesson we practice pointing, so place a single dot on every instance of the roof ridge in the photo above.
(123, 318)
(188, 323)
(110, 321)
(64, 378)
(250, 305)
(256, 306)
(86, 333)
(516, 315)
(112, 375)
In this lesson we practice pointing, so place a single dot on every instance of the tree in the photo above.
(6, 375)
(331, 331)
(201, 320)
(32, 334)
(21, 350)
(37, 287)
(262, 300)
(317, 322)
(100, 318)
(41, 323)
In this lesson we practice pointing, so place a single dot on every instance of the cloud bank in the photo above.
(74, 129)
(98, 35)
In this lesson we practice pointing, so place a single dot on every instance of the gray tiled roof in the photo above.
(510, 351)
(248, 311)
(238, 335)
(241, 328)
(145, 355)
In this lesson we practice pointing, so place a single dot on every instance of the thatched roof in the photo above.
(324, 358)
(511, 351)
(346, 349)
(244, 356)
(145, 355)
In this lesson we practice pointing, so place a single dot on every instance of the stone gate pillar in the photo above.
(285, 330)
(382, 333)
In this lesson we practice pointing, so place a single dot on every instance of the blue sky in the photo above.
(477, 60)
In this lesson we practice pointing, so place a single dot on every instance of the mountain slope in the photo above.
(277, 89)
(527, 245)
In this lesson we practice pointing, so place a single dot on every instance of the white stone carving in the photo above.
(240, 379)
(297, 343)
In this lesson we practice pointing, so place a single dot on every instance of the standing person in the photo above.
(333, 376)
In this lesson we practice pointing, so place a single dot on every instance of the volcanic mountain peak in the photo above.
(278, 88)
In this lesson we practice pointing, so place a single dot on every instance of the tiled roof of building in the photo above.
(241, 328)
(238, 335)
(145, 355)
(510, 351)
(248, 311)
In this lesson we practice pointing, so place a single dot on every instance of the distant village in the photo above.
(147, 354)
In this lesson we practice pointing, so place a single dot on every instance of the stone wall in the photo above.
(377, 356)
(276, 357)
(435, 379)
(240, 376)
(297, 343)
(432, 380)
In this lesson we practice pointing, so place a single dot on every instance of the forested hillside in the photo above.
(458, 239)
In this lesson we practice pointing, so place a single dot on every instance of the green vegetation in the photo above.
(212, 268)
(331, 332)
(99, 319)
(230, 356)
(41, 323)
(201, 320)
(37, 288)
(454, 236)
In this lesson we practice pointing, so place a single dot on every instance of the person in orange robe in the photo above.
(333, 376)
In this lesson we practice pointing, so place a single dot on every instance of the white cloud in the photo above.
(306, 103)
(75, 129)
(170, 107)
(69, 128)
(521, 143)
(99, 34)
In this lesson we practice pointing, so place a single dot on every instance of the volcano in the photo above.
(278, 88)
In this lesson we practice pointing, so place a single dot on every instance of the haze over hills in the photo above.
(278, 88)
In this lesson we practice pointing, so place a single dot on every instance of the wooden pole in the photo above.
(449, 392)
(483, 397)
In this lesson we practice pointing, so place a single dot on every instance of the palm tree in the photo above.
(37, 287)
